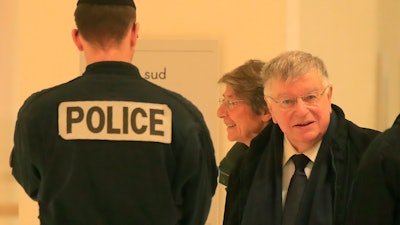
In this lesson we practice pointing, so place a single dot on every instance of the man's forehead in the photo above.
(302, 85)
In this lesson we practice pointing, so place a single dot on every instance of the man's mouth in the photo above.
(303, 124)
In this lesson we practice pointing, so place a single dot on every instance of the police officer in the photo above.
(109, 147)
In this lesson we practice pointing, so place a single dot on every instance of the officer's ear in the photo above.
(134, 34)
(77, 39)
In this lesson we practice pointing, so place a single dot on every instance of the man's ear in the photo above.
(134, 34)
(77, 39)
(330, 89)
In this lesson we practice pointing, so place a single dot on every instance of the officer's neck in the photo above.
(122, 52)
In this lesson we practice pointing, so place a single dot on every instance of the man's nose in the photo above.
(300, 105)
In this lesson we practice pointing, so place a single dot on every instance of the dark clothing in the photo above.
(242, 176)
(228, 163)
(376, 194)
(254, 193)
(124, 169)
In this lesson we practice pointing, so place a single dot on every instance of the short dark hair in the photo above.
(100, 24)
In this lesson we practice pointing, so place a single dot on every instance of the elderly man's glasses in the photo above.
(311, 99)
(229, 103)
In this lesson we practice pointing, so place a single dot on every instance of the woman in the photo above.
(243, 110)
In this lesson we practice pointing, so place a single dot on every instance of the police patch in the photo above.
(115, 120)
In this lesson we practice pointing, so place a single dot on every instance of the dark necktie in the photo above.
(295, 190)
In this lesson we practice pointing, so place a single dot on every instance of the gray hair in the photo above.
(291, 65)
(247, 83)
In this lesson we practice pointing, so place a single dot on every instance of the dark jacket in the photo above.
(116, 170)
(241, 177)
(254, 193)
(376, 195)
(230, 161)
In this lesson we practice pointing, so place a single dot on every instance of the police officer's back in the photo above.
(109, 147)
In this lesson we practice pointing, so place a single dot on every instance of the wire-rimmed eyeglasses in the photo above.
(230, 103)
(311, 99)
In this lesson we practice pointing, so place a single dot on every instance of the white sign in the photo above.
(188, 67)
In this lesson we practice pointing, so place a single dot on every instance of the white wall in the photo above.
(8, 53)
(389, 62)
(344, 35)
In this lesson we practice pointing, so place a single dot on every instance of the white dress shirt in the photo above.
(288, 165)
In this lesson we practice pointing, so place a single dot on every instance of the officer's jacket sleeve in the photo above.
(23, 159)
(199, 184)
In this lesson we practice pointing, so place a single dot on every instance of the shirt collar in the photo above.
(289, 151)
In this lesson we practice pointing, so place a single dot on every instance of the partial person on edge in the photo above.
(376, 193)
(109, 147)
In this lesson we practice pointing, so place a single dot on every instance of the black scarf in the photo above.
(264, 202)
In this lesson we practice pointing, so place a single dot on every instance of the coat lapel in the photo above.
(264, 202)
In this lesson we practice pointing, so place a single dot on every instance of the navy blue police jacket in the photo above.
(110, 147)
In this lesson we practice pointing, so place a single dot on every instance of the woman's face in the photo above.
(242, 123)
